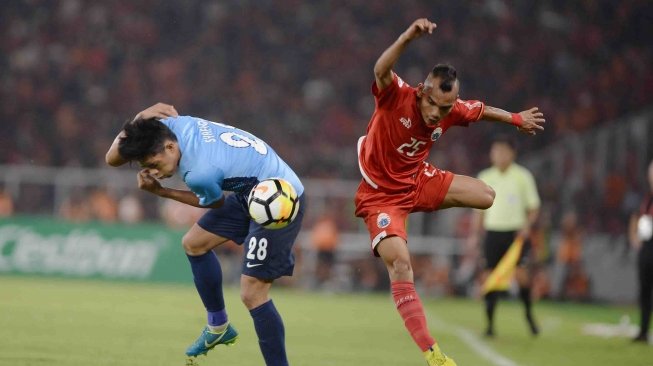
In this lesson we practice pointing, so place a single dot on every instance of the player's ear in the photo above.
(170, 145)
(420, 89)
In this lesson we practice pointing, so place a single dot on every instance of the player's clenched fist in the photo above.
(418, 28)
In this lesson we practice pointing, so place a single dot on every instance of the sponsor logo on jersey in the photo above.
(406, 122)
(436, 134)
(383, 220)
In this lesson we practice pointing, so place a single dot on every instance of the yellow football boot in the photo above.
(435, 357)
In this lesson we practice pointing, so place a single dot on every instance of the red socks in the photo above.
(411, 310)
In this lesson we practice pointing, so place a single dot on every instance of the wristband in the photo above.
(516, 119)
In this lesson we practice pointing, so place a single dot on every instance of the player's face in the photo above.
(164, 164)
(501, 155)
(435, 104)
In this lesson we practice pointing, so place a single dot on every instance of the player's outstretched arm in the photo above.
(529, 121)
(159, 110)
(383, 66)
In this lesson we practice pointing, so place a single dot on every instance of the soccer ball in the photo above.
(273, 203)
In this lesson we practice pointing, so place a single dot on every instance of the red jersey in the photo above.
(398, 141)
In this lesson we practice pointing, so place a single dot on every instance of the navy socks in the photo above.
(207, 275)
(271, 334)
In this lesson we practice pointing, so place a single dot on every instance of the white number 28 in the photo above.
(262, 251)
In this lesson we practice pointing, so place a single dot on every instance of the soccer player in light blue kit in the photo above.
(212, 158)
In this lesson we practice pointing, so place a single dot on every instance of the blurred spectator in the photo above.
(75, 208)
(103, 207)
(6, 204)
(305, 79)
(130, 209)
(576, 286)
(325, 239)
(575, 282)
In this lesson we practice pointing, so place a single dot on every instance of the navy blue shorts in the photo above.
(268, 253)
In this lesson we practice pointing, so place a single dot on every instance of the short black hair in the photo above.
(144, 138)
(447, 75)
(506, 140)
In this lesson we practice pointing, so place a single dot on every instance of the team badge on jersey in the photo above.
(436, 134)
(406, 122)
(383, 220)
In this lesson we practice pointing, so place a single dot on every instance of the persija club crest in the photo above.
(383, 220)
(436, 134)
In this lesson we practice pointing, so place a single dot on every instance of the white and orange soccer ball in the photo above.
(273, 203)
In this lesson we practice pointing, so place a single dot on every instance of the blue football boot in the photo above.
(207, 340)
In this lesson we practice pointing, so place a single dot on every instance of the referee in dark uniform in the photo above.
(641, 237)
(515, 210)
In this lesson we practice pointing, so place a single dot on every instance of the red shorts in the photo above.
(385, 213)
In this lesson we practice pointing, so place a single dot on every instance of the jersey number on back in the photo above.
(235, 139)
(411, 148)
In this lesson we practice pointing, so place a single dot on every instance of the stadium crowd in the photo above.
(298, 75)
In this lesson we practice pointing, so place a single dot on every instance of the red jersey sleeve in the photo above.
(389, 96)
(465, 112)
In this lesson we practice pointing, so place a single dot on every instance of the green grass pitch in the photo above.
(81, 323)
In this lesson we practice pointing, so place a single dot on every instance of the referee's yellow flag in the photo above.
(499, 279)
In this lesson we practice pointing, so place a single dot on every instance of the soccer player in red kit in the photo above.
(397, 180)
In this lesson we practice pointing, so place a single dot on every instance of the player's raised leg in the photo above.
(395, 255)
(207, 275)
(466, 191)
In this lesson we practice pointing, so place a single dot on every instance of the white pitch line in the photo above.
(474, 342)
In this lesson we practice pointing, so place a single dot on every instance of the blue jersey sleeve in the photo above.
(206, 184)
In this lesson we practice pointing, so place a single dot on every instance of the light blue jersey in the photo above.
(216, 157)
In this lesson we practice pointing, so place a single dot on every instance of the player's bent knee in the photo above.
(401, 267)
(192, 246)
(252, 298)
(253, 292)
